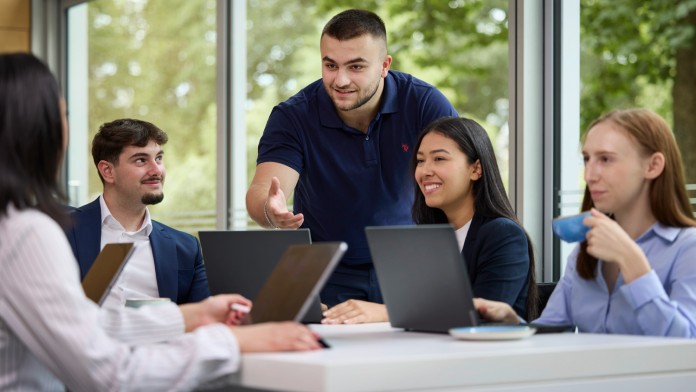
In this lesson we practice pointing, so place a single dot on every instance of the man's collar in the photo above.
(108, 219)
(390, 99)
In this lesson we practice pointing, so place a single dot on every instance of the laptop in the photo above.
(295, 281)
(423, 278)
(240, 261)
(105, 270)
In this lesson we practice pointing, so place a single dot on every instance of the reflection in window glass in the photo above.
(153, 60)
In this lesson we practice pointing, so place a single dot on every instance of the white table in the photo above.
(375, 357)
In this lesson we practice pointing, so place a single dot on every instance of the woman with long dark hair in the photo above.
(457, 181)
(51, 335)
(635, 272)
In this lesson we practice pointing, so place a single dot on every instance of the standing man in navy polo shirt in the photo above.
(342, 145)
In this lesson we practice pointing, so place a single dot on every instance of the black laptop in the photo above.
(423, 278)
(240, 261)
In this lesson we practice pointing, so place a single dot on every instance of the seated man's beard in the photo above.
(152, 198)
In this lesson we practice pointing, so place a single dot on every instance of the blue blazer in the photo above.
(179, 265)
(497, 259)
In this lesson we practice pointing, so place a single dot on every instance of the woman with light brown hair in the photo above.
(636, 271)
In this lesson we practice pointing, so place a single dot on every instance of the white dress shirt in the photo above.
(138, 279)
(50, 333)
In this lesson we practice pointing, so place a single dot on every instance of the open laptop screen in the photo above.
(105, 270)
(240, 261)
(295, 281)
(422, 276)
(424, 279)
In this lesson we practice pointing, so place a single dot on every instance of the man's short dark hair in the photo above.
(354, 23)
(114, 136)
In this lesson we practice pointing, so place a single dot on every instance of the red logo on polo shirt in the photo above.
(404, 147)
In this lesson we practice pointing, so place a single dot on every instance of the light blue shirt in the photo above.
(659, 303)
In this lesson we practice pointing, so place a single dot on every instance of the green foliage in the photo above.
(148, 62)
(628, 48)
(277, 34)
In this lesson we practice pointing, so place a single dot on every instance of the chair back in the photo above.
(545, 290)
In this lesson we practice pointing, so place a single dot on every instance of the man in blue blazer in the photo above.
(166, 262)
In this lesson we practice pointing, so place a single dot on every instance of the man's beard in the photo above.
(152, 198)
(362, 100)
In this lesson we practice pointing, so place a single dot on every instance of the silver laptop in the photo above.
(295, 281)
(240, 261)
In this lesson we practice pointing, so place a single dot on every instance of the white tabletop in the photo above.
(372, 357)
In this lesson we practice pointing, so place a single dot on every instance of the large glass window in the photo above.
(153, 60)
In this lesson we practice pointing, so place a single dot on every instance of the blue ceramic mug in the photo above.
(570, 228)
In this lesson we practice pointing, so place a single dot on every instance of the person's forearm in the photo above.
(255, 199)
(191, 316)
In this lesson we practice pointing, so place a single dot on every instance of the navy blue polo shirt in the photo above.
(349, 179)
